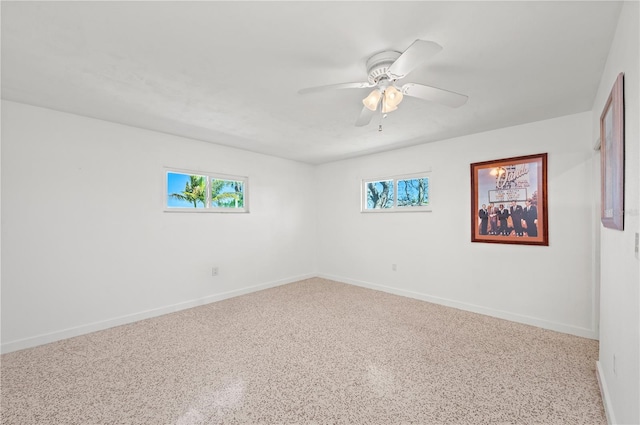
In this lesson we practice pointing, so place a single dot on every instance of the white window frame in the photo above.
(395, 208)
(209, 176)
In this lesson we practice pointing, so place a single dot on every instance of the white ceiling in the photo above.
(229, 72)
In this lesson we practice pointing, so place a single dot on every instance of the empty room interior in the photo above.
(320, 212)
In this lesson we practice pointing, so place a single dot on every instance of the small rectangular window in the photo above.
(207, 192)
(409, 192)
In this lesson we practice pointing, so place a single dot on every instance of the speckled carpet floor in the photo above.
(311, 352)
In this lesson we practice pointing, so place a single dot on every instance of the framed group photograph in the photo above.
(612, 157)
(509, 201)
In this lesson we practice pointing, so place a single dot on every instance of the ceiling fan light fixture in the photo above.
(392, 96)
(371, 101)
(388, 108)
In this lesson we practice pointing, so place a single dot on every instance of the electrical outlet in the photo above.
(615, 372)
(394, 267)
(214, 271)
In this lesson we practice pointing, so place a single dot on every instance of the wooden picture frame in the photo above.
(612, 157)
(519, 185)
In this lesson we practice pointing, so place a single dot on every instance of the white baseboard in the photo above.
(527, 320)
(604, 392)
(122, 320)
(130, 318)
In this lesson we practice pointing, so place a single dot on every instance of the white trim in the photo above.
(122, 320)
(130, 318)
(518, 318)
(604, 392)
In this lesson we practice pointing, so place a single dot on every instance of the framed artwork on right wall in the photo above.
(612, 157)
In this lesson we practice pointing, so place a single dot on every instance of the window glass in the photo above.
(413, 192)
(186, 191)
(227, 193)
(380, 194)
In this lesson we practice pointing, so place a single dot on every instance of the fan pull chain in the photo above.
(382, 115)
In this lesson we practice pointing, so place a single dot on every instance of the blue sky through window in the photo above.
(408, 192)
(177, 184)
(380, 194)
(413, 192)
(189, 191)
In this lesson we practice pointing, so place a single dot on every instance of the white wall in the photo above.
(86, 244)
(620, 270)
(551, 287)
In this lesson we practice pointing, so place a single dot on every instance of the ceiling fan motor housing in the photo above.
(378, 64)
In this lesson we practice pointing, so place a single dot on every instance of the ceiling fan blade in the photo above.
(365, 117)
(362, 85)
(434, 94)
(418, 53)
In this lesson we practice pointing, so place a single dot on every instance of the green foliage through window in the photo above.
(227, 193)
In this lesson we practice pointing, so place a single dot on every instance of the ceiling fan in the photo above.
(384, 69)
